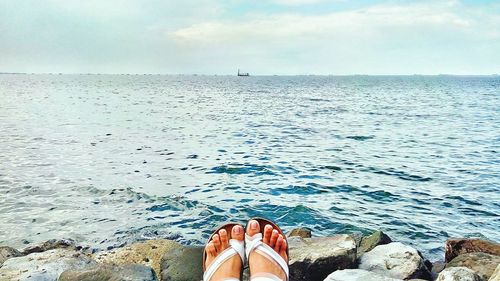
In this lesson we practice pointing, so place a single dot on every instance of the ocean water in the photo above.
(111, 159)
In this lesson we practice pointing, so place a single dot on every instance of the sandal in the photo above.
(236, 247)
(254, 243)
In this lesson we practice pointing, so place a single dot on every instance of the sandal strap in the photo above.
(236, 248)
(254, 243)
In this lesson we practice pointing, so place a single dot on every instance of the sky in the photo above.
(288, 37)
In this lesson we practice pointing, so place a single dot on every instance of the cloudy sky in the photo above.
(259, 36)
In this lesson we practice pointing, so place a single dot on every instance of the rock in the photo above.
(369, 242)
(45, 266)
(357, 275)
(315, 258)
(455, 247)
(496, 275)
(131, 272)
(458, 274)
(395, 260)
(357, 236)
(7, 253)
(51, 245)
(481, 263)
(427, 262)
(148, 253)
(182, 264)
(438, 266)
(302, 232)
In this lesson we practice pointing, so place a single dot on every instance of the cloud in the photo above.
(375, 19)
(382, 38)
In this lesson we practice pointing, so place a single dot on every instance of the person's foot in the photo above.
(261, 265)
(231, 268)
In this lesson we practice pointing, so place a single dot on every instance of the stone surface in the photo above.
(131, 272)
(481, 263)
(357, 275)
(496, 275)
(51, 245)
(148, 253)
(458, 274)
(455, 247)
(182, 264)
(369, 242)
(7, 253)
(395, 260)
(45, 266)
(303, 232)
(438, 266)
(315, 258)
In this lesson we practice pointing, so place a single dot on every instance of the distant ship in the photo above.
(243, 73)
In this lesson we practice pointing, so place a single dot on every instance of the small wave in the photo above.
(360, 138)
(241, 170)
(400, 174)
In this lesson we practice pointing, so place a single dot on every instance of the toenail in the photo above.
(237, 230)
(254, 225)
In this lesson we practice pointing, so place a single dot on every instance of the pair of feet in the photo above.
(257, 263)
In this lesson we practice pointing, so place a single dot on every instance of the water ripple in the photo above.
(112, 159)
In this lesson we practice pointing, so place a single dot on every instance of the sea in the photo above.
(108, 160)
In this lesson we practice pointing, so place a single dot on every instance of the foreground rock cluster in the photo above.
(339, 258)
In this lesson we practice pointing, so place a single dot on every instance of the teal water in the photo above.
(111, 159)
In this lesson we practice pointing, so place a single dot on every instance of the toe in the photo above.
(217, 243)
(237, 232)
(268, 230)
(282, 251)
(278, 244)
(253, 227)
(274, 238)
(211, 249)
(224, 240)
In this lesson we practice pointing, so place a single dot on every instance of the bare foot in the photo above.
(260, 264)
(231, 268)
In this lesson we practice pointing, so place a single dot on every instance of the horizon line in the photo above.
(258, 75)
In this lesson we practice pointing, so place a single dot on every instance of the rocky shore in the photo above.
(338, 258)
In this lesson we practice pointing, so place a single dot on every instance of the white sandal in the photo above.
(254, 243)
(236, 247)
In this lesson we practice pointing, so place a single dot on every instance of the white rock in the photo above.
(458, 274)
(395, 260)
(45, 266)
(357, 275)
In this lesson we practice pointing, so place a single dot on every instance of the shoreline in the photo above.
(338, 257)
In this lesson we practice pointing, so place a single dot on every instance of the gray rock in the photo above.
(458, 274)
(7, 253)
(131, 272)
(367, 243)
(395, 260)
(182, 264)
(496, 275)
(45, 266)
(315, 258)
(303, 232)
(357, 275)
(455, 247)
(481, 263)
(438, 266)
(51, 245)
(148, 253)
